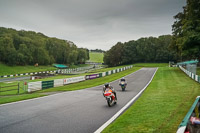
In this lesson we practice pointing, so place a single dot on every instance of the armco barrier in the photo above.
(190, 74)
(186, 123)
(55, 71)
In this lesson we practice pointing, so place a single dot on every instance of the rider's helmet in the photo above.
(123, 78)
(106, 85)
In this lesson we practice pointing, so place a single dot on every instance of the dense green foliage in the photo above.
(28, 47)
(186, 31)
(161, 107)
(97, 50)
(143, 50)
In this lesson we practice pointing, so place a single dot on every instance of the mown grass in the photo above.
(79, 65)
(105, 69)
(161, 107)
(14, 98)
(96, 57)
(9, 70)
(198, 71)
(76, 86)
(151, 64)
(11, 88)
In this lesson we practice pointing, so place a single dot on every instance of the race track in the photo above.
(82, 111)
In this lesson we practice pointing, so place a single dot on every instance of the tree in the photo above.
(72, 58)
(186, 31)
(113, 57)
(82, 55)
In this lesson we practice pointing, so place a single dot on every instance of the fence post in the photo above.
(18, 88)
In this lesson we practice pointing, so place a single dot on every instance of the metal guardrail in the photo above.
(185, 122)
(69, 70)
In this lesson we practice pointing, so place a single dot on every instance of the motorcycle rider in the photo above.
(122, 80)
(107, 85)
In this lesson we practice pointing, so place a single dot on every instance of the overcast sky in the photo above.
(92, 23)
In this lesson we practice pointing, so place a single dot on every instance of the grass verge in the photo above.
(11, 70)
(198, 71)
(161, 107)
(14, 98)
(96, 57)
(151, 65)
(8, 70)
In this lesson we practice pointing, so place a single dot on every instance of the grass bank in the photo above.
(96, 57)
(198, 71)
(9, 70)
(161, 107)
(151, 64)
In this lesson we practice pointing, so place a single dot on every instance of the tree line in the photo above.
(184, 44)
(28, 47)
(149, 49)
(97, 50)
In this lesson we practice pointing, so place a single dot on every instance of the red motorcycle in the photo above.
(110, 97)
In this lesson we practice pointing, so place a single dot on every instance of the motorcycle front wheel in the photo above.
(123, 88)
(109, 101)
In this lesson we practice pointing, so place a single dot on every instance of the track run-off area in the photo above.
(81, 111)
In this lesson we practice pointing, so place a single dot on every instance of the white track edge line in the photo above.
(124, 108)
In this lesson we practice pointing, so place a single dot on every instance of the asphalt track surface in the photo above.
(82, 111)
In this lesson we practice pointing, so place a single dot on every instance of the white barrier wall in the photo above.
(34, 86)
(73, 80)
(109, 72)
(114, 71)
(58, 82)
(103, 74)
(190, 74)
